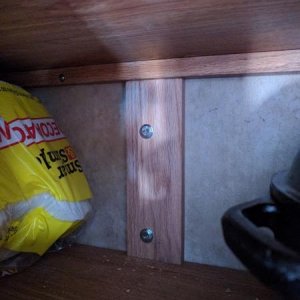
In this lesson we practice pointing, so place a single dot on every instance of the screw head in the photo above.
(146, 131)
(62, 77)
(146, 235)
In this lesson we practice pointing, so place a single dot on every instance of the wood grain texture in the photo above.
(52, 34)
(155, 168)
(83, 272)
(218, 65)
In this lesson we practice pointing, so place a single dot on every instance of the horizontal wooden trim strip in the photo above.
(203, 66)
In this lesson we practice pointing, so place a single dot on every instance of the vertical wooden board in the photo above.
(155, 168)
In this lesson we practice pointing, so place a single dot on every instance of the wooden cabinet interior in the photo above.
(46, 43)
(91, 41)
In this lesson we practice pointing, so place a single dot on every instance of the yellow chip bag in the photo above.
(43, 191)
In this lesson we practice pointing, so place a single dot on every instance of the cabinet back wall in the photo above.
(238, 132)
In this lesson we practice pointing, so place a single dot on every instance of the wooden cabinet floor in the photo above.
(84, 272)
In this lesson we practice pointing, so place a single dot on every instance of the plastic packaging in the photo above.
(44, 195)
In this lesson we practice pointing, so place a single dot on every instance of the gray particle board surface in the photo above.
(91, 116)
(238, 132)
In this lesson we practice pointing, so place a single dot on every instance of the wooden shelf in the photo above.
(57, 34)
(84, 272)
(205, 66)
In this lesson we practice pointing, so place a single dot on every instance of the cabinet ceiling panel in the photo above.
(52, 34)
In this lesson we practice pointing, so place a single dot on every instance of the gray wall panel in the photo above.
(239, 131)
(92, 118)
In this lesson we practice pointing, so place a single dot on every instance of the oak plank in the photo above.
(54, 34)
(155, 168)
(84, 272)
(206, 66)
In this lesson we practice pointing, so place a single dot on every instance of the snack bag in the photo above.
(44, 194)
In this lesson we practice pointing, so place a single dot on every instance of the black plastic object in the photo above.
(254, 233)
(265, 234)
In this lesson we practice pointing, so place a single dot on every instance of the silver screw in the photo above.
(146, 235)
(62, 77)
(146, 131)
